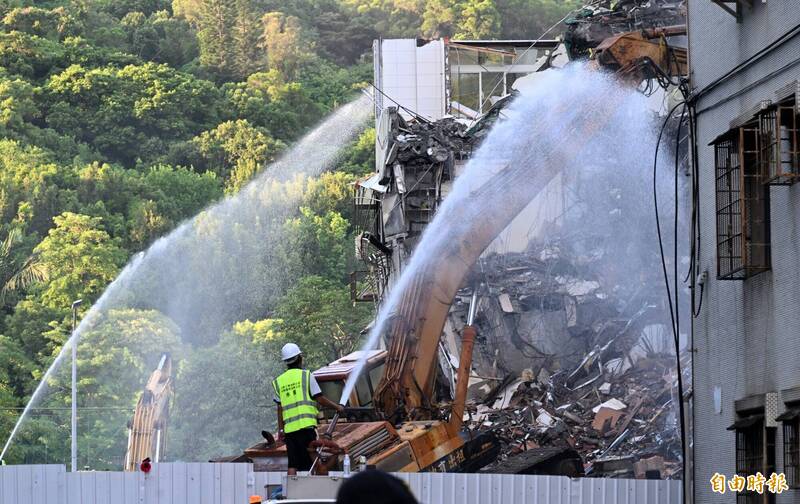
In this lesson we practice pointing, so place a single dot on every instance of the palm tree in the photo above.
(13, 275)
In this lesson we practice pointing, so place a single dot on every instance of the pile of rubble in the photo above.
(622, 424)
(585, 367)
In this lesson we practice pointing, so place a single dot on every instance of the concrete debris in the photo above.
(582, 365)
(606, 419)
(612, 439)
(550, 309)
(612, 404)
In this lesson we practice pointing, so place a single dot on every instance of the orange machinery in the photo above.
(147, 431)
(403, 430)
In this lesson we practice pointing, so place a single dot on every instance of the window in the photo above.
(780, 144)
(466, 91)
(742, 200)
(492, 85)
(755, 452)
(333, 391)
(791, 446)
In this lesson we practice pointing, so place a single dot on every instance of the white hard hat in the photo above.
(289, 352)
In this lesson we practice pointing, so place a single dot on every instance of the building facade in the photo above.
(745, 67)
(464, 78)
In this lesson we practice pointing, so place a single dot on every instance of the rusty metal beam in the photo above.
(486, 50)
(666, 31)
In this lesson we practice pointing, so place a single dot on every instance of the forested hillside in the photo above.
(121, 118)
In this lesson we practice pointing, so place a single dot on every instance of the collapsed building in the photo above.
(573, 370)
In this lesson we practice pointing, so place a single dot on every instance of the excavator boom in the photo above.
(147, 432)
(414, 329)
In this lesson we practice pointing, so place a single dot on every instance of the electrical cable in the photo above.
(695, 230)
(679, 370)
(658, 221)
(750, 86)
(749, 61)
(672, 309)
(418, 116)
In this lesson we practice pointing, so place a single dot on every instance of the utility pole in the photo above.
(74, 338)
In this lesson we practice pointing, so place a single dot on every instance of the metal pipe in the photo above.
(332, 425)
(128, 451)
(667, 31)
(158, 445)
(328, 434)
(473, 306)
(464, 365)
(74, 409)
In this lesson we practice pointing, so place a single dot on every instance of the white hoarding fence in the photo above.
(205, 483)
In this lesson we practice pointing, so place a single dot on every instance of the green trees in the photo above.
(246, 30)
(531, 18)
(119, 119)
(464, 19)
(439, 18)
(80, 258)
(486, 19)
(236, 372)
(285, 43)
(214, 19)
(235, 151)
(129, 114)
(228, 33)
(18, 273)
(318, 315)
(160, 37)
(285, 109)
(317, 245)
(479, 20)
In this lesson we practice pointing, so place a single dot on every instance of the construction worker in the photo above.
(296, 391)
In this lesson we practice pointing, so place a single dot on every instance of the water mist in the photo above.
(576, 120)
(220, 266)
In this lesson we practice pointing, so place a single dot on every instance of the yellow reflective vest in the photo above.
(293, 388)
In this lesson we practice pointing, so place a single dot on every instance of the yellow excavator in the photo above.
(395, 426)
(147, 430)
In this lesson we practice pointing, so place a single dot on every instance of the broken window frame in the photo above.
(368, 285)
(780, 142)
(484, 63)
(742, 205)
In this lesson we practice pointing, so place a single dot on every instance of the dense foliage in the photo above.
(119, 119)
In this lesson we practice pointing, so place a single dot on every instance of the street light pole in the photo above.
(75, 385)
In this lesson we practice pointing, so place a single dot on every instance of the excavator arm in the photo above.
(465, 230)
(458, 237)
(147, 431)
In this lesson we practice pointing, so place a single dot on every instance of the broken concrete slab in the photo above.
(613, 404)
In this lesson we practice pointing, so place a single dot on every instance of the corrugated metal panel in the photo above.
(623, 491)
(181, 483)
(32, 483)
(432, 488)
